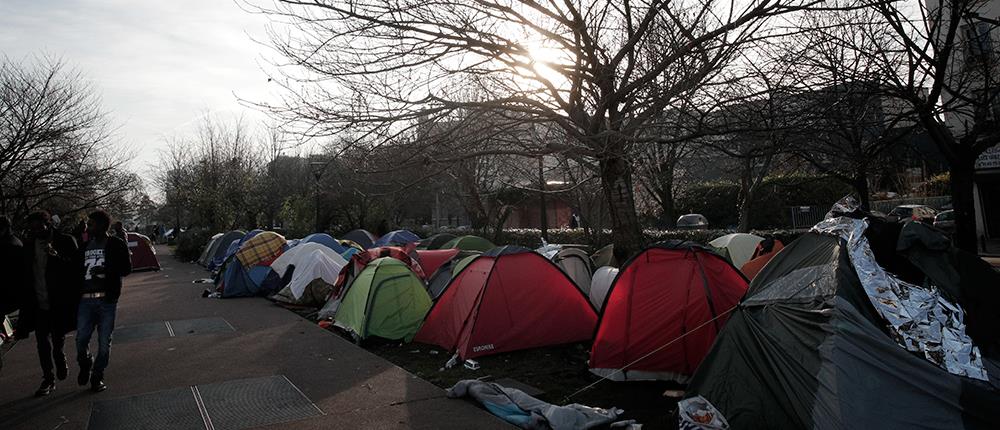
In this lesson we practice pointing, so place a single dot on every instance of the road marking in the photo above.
(170, 329)
(304, 396)
(201, 408)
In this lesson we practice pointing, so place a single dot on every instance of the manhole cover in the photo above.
(171, 409)
(199, 326)
(255, 402)
(138, 332)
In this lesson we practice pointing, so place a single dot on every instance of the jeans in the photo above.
(50, 345)
(94, 313)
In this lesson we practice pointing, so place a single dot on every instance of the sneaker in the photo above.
(84, 376)
(62, 371)
(97, 383)
(47, 387)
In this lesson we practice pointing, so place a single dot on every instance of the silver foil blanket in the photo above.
(920, 320)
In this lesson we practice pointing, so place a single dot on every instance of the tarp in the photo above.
(516, 407)
(385, 300)
(806, 349)
(397, 238)
(737, 247)
(663, 312)
(361, 237)
(261, 250)
(469, 243)
(600, 285)
(143, 253)
(312, 266)
(296, 256)
(508, 299)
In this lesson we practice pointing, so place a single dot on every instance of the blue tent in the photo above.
(221, 246)
(258, 281)
(327, 241)
(397, 237)
(361, 237)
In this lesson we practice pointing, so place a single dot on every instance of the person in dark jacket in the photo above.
(50, 290)
(105, 261)
(11, 256)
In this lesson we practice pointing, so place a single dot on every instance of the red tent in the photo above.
(765, 252)
(431, 260)
(657, 319)
(143, 254)
(508, 299)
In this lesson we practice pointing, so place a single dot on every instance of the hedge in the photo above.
(191, 243)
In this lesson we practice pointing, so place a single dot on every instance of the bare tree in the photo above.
(373, 68)
(56, 146)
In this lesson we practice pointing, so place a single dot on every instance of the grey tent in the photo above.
(605, 257)
(361, 237)
(203, 259)
(218, 251)
(814, 346)
(577, 266)
(436, 241)
(442, 277)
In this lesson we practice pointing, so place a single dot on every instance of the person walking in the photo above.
(118, 230)
(106, 261)
(49, 293)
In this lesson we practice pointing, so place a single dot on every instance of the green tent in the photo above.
(469, 243)
(436, 241)
(385, 300)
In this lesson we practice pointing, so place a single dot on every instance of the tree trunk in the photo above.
(543, 209)
(616, 180)
(963, 202)
(861, 187)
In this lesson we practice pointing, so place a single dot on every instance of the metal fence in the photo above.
(936, 202)
(806, 216)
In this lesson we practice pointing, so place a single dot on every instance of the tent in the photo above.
(143, 254)
(508, 299)
(361, 237)
(670, 292)
(220, 250)
(397, 238)
(358, 263)
(206, 253)
(327, 240)
(577, 266)
(385, 300)
(436, 241)
(315, 271)
(249, 273)
(813, 345)
(469, 243)
(431, 260)
(766, 250)
(600, 285)
(440, 279)
(737, 247)
(300, 254)
(605, 257)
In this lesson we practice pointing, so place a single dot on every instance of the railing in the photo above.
(936, 202)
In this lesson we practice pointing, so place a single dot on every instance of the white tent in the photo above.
(313, 266)
(296, 256)
(737, 247)
(600, 285)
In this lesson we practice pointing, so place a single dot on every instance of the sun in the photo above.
(543, 59)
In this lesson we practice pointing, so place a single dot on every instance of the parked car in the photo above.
(905, 213)
(692, 222)
(945, 221)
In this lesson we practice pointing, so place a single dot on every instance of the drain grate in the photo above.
(200, 326)
(171, 409)
(139, 332)
(255, 402)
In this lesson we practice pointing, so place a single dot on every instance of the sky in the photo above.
(158, 66)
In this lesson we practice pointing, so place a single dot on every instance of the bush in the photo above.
(191, 243)
(718, 201)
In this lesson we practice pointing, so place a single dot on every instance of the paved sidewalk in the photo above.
(245, 338)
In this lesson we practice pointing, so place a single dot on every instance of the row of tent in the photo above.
(809, 343)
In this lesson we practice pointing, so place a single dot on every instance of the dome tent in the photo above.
(143, 253)
(469, 243)
(397, 238)
(385, 300)
(669, 291)
(507, 299)
(436, 241)
(361, 237)
(213, 243)
(737, 247)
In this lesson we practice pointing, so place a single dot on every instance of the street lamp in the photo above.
(317, 167)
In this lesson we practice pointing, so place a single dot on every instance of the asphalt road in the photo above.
(246, 339)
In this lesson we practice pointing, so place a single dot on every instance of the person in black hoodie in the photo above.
(48, 295)
(105, 261)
